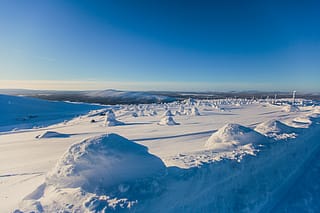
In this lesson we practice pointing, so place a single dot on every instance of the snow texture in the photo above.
(232, 135)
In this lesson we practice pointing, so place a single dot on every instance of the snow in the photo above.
(110, 119)
(52, 134)
(167, 113)
(276, 129)
(232, 135)
(251, 157)
(103, 162)
(195, 111)
(291, 108)
(25, 113)
(108, 164)
(167, 120)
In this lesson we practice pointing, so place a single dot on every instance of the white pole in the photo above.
(293, 97)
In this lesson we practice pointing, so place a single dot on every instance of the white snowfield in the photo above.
(224, 156)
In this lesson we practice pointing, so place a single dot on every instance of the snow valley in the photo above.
(191, 155)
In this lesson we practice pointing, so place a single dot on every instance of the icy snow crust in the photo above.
(249, 157)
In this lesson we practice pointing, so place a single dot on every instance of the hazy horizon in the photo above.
(139, 86)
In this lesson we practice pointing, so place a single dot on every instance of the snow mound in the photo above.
(303, 119)
(153, 113)
(291, 108)
(177, 113)
(101, 112)
(134, 114)
(181, 109)
(100, 174)
(104, 161)
(316, 110)
(52, 134)
(276, 129)
(168, 120)
(233, 135)
(302, 122)
(110, 119)
(195, 111)
(167, 113)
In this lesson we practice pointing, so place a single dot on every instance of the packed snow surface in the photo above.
(240, 155)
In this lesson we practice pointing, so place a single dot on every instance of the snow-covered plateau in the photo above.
(226, 155)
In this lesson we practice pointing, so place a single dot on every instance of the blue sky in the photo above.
(162, 45)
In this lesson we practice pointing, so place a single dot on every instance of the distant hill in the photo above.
(109, 96)
(112, 97)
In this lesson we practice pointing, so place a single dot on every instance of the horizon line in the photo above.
(170, 86)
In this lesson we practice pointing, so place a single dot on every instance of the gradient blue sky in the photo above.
(162, 45)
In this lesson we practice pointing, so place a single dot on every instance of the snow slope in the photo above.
(22, 112)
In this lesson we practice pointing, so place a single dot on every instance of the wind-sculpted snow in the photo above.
(52, 134)
(277, 130)
(109, 170)
(291, 108)
(110, 119)
(231, 136)
(167, 113)
(168, 120)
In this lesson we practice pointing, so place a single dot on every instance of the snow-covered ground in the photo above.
(223, 156)
(23, 112)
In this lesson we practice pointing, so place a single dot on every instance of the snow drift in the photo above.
(168, 120)
(167, 113)
(291, 108)
(104, 161)
(99, 169)
(110, 119)
(276, 129)
(52, 134)
(232, 135)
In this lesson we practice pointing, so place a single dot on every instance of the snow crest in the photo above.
(104, 161)
(232, 135)
(103, 173)
(168, 120)
(276, 129)
(52, 134)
